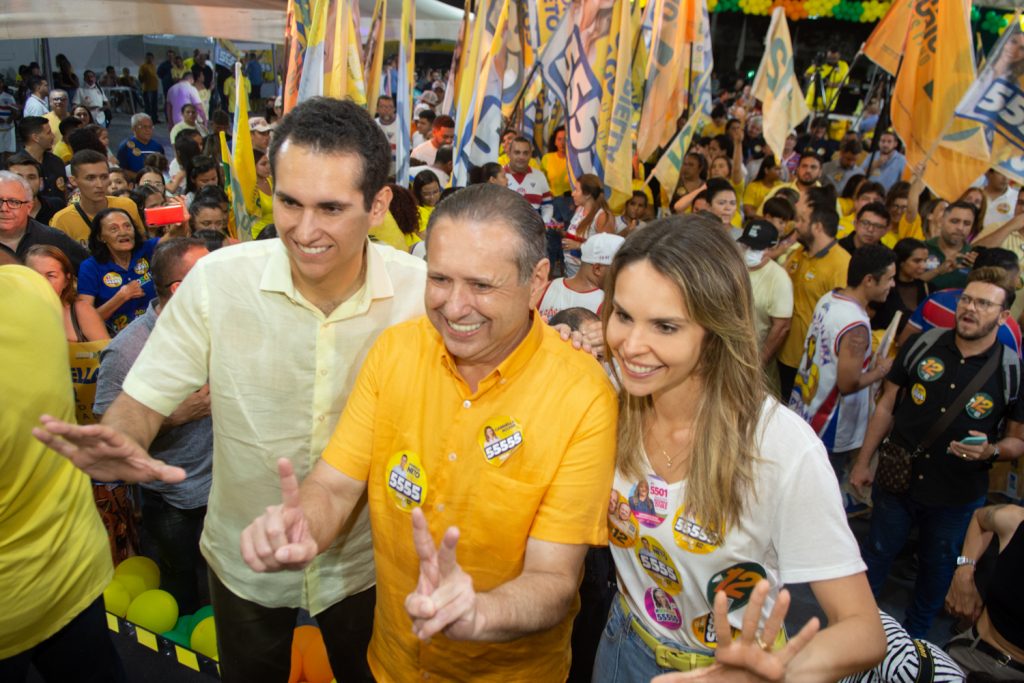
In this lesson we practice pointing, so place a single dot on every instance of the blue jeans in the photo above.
(176, 533)
(81, 651)
(941, 528)
(622, 657)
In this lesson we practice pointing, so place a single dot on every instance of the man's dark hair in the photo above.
(29, 126)
(429, 115)
(995, 257)
(329, 126)
(33, 83)
(389, 98)
(165, 268)
(961, 204)
(23, 159)
(724, 143)
(444, 155)
(877, 208)
(995, 276)
(871, 186)
(86, 156)
(444, 121)
(82, 139)
(212, 239)
(97, 247)
(779, 207)
(221, 118)
(823, 209)
(68, 124)
(718, 111)
(851, 147)
(873, 260)
(573, 317)
(488, 203)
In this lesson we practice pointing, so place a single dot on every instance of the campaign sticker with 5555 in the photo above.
(406, 480)
(499, 438)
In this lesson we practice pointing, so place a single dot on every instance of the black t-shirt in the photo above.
(938, 477)
(37, 233)
(847, 244)
(55, 180)
(48, 207)
(885, 311)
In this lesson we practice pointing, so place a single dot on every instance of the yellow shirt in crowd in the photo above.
(530, 454)
(69, 219)
(54, 556)
(812, 277)
(556, 170)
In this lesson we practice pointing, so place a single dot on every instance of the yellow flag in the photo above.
(885, 45)
(665, 75)
(373, 56)
(243, 166)
(616, 131)
(938, 69)
(777, 87)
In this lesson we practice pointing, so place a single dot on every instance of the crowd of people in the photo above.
(500, 380)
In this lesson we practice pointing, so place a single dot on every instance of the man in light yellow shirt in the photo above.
(90, 173)
(278, 328)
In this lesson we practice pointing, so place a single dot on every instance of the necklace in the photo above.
(664, 453)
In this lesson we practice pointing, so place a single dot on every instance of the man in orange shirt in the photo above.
(479, 416)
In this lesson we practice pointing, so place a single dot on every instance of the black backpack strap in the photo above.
(920, 345)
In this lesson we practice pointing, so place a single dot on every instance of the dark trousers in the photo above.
(176, 533)
(787, 376)
(255, 642)
(150, 100)
(81, 651)
(941, 529)
(597, 591)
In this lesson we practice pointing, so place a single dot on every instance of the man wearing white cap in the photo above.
(259, 129)
(585, 288)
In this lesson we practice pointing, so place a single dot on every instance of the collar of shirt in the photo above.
(824, 252)
(511, 366)
(277, 277)
(949, 341)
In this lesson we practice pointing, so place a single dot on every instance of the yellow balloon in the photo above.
(204, 638)
(143, 567)
(116, 598)
(133, 583)
(154, 610)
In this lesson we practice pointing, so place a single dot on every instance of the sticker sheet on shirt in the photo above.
(648, 499)
(692, 536)
(662, 608)
(623, 529)
(655, 560)
(737, 582)
(406, 480)
(980, 405)
(918, 393)
(499, 438)
(703, 628)
(930, 369)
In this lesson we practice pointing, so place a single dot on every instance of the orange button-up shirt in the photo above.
(543, 470)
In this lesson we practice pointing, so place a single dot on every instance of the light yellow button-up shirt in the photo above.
(280, 373)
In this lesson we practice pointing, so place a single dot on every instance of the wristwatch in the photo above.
(995, 453)
(961, 560)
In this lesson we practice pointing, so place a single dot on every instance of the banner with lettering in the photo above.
(777, 87)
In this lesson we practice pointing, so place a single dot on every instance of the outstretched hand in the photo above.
(444, 599)
(104, 453)
(751, 656)
(280, 538)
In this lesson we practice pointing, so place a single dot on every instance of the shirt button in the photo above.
(323, 373)
(952, 386)
(440, 507)
(452, 457)
(466, 404)
(920, 476)
(501, 381)
(942, 410)
(321, 418)
(926, 456)
(426, 676)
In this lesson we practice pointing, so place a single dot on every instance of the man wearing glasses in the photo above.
(18, 231)
(132, 153)
(965, 370)
(871, 225)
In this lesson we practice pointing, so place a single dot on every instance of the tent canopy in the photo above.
(260, 21)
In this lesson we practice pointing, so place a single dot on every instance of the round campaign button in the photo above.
(980, 405)
(692, 536)
(703, 628)
(406, 480)
(918, 393)
(112, 279)
(930, 369)
(737, 582)
(655, 560)
(648, 499)
(499, 438)
(662, 608)
(622, 525)
(141, 267)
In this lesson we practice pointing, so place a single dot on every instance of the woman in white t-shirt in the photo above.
(735, 488)
(592, 215)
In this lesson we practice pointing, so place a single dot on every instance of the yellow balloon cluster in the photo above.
(154, 610)
(874, 10)
(820, 8)
(756, 6)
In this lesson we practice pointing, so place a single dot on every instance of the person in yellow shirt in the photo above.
(556, 170)
(54, 559)
(817, 266)
(91, 175)
(59, 102)
(511, 491)
(825, 78)
(229, 91)
(769, 175)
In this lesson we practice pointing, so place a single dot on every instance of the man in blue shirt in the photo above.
(254, 72)
(887, 162)
(131, 155)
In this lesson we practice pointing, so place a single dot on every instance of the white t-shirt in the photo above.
(794, 531)
(557, 297)
(773, 296)
(839, 420)
(418, 139)
(391, 132)
(425, 152)
(1000, 209)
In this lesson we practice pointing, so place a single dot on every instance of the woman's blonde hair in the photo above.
(704, 263)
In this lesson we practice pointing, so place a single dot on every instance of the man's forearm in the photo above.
(878, 428)
(773, 341)
(530, 603)
(138, 422)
